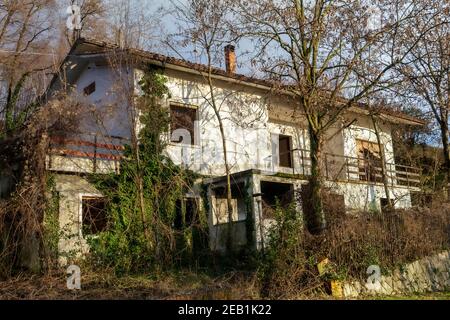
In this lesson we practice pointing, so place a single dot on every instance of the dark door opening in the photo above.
(273, 194)
(384, 204)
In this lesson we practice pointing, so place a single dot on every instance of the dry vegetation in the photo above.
(287, 268)
(23, 162)
(351, 243)
(103, 285)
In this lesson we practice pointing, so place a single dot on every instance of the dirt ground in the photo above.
(101, 286)
(174, 287)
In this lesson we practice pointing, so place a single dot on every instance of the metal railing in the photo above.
(100, 148)
(347, 168)
(339, 167)
(95, 148)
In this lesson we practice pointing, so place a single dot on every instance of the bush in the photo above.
(284, 267)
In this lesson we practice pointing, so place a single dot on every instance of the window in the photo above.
(220, 213)
(285, 151)
(89, 89)
(182, 118)
(93, 215)
(369, 161)
(238, 204)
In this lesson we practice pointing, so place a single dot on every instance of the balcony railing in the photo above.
(88, 153)
(347, 168)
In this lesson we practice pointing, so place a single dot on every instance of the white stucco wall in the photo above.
(244, 119)
(110, 114)
(245, 115)
(249, 123)
(71, 189)
(366, 197)
(363, 130)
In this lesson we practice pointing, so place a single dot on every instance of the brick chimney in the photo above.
(230, 59)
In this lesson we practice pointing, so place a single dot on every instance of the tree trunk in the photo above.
(229, 244)
(383, 164)
(139, 182)
(316, 217)
(445, 149)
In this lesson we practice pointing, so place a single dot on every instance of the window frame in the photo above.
(291, 159)
(237, 215)
(364, 163)
(80, 213)
(194, 139)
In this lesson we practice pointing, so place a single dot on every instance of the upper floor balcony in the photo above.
(342, 168)
(86, 153)
(91, 153)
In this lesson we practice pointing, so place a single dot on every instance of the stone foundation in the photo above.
(425, 275)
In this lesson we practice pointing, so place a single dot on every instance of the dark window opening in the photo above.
(285, 151)
(333, 207)
(89, 89)
(384, 205)
(191, 211)
(178, 221)
(182, 118)
(273, 194)
(93, 215)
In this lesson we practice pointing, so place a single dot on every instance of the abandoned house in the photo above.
(267, 145)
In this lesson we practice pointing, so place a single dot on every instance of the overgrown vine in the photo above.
(142, 233)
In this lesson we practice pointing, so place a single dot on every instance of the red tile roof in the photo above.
(82, 47)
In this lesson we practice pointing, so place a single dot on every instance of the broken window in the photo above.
(182, 117)
(220, 212)
(285, 151)
(89, 89)
(369, 161)
(94, 217)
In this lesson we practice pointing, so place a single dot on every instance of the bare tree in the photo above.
(321, 51)
(132, 23)
(427, 72)
(25, 30)
(204, 24)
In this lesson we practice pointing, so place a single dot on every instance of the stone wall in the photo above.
(424, 275)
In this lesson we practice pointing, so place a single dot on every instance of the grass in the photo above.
(171, 286)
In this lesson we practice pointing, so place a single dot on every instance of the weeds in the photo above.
(351, 243)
